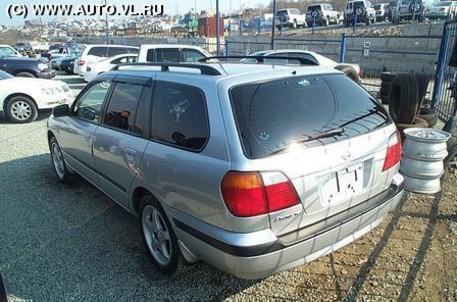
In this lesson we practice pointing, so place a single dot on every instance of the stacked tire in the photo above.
(404, 103)
(405, 95)
(386, 86)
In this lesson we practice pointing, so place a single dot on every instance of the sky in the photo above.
(171, 7)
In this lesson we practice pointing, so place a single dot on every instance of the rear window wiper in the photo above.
(328, 133)
(308, 138)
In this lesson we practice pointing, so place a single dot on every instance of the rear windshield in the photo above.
(273, 115)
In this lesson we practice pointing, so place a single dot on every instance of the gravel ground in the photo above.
(71, 243)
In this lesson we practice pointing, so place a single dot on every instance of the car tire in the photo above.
(21, 109)
(403, 102)
(25, 74)
(451, 127)
(58, 162)
(159, 238)
(326, 21)
(3, 296)
(385, 91)
(388, 76)
(422, 84)
(430, 115)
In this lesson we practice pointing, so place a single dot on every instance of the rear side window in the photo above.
(117, 50)
(273, 115)
(179, 116)
(168, 55)
(192, 55)
(98, 51)
(122, 108)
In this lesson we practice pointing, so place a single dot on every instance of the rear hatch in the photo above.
(325, 134)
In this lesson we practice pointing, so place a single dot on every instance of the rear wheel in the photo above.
(159, 237)
(21, 109)
(25, 74)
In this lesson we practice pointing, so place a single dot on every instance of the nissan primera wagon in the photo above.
(253, 169)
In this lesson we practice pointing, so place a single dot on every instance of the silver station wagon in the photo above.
(252, 168)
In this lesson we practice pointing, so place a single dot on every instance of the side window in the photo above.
(114, 51)
(168, 55)
(192, 55)
(122, 107)
(179, 116)
(89, 105)
(150, 55)
(98, 51)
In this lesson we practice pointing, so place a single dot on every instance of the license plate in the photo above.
(341, 185)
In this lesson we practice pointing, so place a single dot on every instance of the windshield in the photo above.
(4, 75)
(7, 51)
(308, 110)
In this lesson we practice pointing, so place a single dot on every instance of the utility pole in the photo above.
(107, 24)
(273, 26)
(218, 38)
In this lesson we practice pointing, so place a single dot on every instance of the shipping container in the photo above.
(207, 27)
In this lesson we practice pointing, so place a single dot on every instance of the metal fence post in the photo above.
(343, 48)
(441, 66)
(226, 48)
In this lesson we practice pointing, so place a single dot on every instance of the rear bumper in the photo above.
(260, 254)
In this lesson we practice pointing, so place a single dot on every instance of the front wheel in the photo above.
(21, 109)
(159, 237)
(58, 162)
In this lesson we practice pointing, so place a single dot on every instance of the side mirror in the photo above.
(61, 110)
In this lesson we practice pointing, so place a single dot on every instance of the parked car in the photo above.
(406, 10)
(253, 169)
(107, 64)
(290, 17)
(24, 48)
(382, 11)
(171, 53)
(97, 52)
(441, 10)
(67, 64)
(359, 11)
(25, 67)
(353, 71)
(322, 14)
(21, 99)
(9, 51)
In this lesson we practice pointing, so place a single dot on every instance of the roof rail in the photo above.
(165, 66)
(261, 59)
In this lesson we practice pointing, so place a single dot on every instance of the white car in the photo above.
(351, 70)
(105, 65)
(22, 98)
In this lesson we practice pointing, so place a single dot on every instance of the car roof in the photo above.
(322, 59)
(225, 70)
(170, 46)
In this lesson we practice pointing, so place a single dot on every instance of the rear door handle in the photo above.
(130, 154)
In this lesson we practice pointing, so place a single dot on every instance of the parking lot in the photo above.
(70, 242)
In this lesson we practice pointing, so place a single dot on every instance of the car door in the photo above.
(77, 132)
(121, 139)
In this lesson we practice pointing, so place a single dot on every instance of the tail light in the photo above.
(81, 62)
(253, 193)
(393, 155)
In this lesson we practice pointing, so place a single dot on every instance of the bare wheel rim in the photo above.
(57, 160)
(21, 110)
(157, 235)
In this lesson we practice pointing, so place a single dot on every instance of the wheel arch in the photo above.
(32, 72)
(136, 197)
(9, 97)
